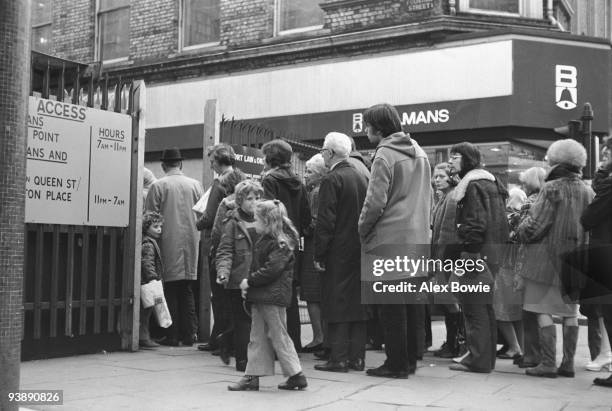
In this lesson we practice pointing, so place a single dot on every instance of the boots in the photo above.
(570, 339)
(297, 381)
(246, 383)
(548, 351)
(449, 349)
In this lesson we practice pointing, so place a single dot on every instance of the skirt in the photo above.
(507, 303)
(547, 299)
(310, 279)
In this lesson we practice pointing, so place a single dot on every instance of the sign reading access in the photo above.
(78, 165)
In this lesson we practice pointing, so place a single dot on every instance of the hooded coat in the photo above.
(282, 184)
(337, 245)
(397, 206)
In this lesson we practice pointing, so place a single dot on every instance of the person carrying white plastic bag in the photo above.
(151, 289)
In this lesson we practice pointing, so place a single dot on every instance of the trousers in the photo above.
(347, 341)
(269, 337)
(181, 304)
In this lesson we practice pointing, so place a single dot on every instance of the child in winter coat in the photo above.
(151, 269)
(268, 288)
(233, 262)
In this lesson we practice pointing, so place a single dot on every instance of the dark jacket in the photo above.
(282, 184)
(217, 193)
(482, 224)
(337, 244)
(150, 262)
(597, 218)
(357, 161)
(228, 204)
(271, 273)
(234, 254)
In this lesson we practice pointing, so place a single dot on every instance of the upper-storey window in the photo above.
(200, 23)
(41, 25)
(524, 8)
(298, 15)
(113, 30)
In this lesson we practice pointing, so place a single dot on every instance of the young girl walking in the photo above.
(268, 288)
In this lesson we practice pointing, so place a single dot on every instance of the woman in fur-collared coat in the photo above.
(551, 228)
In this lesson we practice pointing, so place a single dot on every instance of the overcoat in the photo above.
(337, 243)
(173, 196)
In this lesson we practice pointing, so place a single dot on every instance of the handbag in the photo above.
(162, 313)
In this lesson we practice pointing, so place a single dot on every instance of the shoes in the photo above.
(241, 365)
(518, 360)
(297, 381)
(187, 342)
(313, 348)
(444, 352)
(169, 342)
(465, 368)
(603, 382)
(332, 366)
(412, 370)
(599, 363)
(207, 347)
(246, 383)
(502, 350)
(565, 373)
(357, 365)
(385, 372)
(147, 344)
(322, 355)
(506, 356)
(459, 359)
(542, 371)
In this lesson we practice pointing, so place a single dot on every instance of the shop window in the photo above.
(200, 23)
(523, 8)
(113, 30)
(42, 19)
(298, 15)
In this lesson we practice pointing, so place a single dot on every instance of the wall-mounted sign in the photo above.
(249, 160)
(78, 165)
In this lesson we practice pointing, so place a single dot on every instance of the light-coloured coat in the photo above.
(173, 196)
(397, 207)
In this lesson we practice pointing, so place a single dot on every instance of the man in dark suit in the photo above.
(338, 252)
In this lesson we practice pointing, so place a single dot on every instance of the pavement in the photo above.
(184, 378)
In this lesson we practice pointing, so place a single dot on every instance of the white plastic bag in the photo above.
(200, 206)
(149, 292)
(162, 313)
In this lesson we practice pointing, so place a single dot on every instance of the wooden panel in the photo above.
(98, 279)
(38, 281)
(69, 281)
(54, 281)
(84, 275)
(112, 268)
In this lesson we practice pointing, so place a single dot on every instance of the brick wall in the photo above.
(246, 22)
(14, 81)
(153, 29)
(73, 29)
(354, 15)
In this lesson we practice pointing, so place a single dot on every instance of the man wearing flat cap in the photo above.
(173, 196)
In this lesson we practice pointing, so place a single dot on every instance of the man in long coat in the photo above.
(394, 221)
(338, 251)
(173, 196)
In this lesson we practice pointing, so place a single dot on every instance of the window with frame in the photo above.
(113, 30)
(42, 18)
(200, 20)
(298, 15)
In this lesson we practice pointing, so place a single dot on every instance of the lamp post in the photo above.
(581, 131)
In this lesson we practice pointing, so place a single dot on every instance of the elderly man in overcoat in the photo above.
(338, 251)
(173, 196)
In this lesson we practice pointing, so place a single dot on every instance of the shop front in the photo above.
(506, 91)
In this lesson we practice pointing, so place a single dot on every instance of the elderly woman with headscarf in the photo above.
(148, 178)
(310, 290)
(552, 228)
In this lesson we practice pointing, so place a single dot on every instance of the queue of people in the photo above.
(275, 240)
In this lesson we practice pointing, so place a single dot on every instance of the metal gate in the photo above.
(79, 280)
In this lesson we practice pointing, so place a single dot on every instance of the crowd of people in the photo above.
(545, 247)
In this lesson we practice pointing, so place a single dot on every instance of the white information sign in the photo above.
(78, 165)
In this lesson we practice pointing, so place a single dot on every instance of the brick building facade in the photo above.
(254, 56)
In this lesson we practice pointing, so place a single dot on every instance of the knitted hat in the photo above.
(568, 152)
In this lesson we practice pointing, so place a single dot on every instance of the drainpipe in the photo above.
(550, 17)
